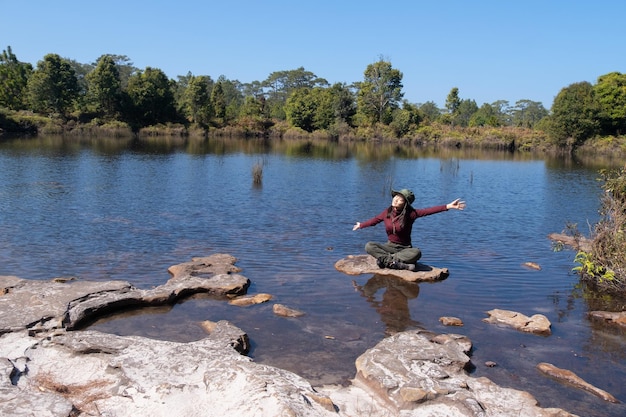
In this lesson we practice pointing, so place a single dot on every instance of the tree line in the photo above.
(113, 90)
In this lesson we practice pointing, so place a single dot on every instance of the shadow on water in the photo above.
(123, 209)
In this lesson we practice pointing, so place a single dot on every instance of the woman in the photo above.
(398, 253)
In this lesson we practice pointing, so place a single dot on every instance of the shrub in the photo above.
(604, 267)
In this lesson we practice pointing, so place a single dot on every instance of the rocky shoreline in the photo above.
(52, 368)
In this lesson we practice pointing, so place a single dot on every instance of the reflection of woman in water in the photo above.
(394, 306)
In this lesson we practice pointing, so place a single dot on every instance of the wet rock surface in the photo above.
(366, 264)
(48, 369)
(574, 242)
(536, 324)
(616, 318)
(46, 305)
(569, 377)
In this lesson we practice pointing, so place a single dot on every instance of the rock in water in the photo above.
(366, 264)
(574, 380)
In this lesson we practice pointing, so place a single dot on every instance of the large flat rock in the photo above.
(366, 264)
(90, 373)
(55, 304)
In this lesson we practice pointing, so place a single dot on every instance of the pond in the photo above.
(116, 209)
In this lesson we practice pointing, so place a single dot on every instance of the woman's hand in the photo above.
(356, 226)
(456, 204)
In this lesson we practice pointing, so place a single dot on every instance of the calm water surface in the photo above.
(125, 210)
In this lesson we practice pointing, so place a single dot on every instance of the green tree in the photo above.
(453, 101)
(503, 112)
(253, 89)
(405, 119)
(486, 115)
(125, 68)
(53, 87)
(300, 109)
(320, 108)
(81, 71)
(430, 111)
(325, 108)
(233, 97)
(610, 92)
(380, 92)
(466, 109)
(252, 107)
(218, 102)
(527, 113)
(151, 97)
(195, 101)
(13, 80)
(575, 115)
(343, 103)
(280, 84)
(104, 88)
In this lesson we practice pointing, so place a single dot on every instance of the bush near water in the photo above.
(603, 267)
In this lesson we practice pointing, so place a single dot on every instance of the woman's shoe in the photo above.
(401, 265)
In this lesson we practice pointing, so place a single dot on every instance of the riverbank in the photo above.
(509, 139)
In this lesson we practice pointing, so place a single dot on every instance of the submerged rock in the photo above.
(610, 317)
(569, 377)
(451, 321)
(284, 311)
(251, 300)
(532, 265)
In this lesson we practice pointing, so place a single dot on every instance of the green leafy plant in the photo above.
(588, 267)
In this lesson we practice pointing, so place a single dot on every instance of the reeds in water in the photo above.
(257, 173)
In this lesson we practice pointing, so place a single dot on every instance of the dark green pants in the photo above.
(389, 252)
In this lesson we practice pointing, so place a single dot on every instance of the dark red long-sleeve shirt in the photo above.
(402, 235)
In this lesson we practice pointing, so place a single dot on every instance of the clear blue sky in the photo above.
(491, 50)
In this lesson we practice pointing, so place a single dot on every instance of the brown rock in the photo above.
(250, 300)
(281, 310)
(462, 341)
(536, 324)
(569, 377)
(324, 401)
(414, 374)
(366, 264)
(532, 265)
(208, 325)
(451, 321)
(618, 318)
(577, 243)
(412, 394)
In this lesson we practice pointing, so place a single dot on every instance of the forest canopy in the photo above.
(113, 90)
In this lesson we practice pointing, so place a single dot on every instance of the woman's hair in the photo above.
(404, 214)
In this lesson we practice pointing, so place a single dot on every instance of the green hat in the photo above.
(407, 194)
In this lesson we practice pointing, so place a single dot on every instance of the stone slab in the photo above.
(366, 264)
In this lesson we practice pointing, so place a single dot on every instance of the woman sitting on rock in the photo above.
(398, 252)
